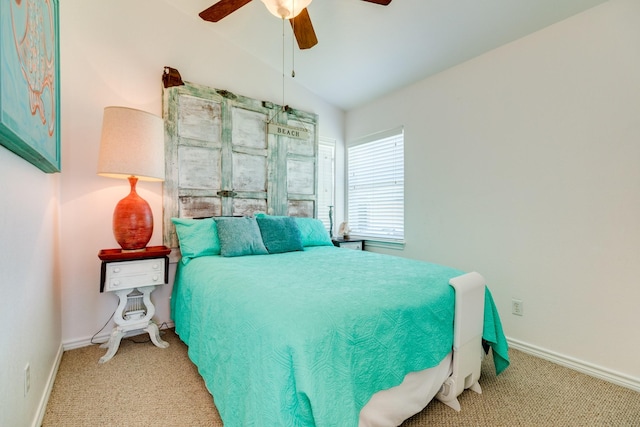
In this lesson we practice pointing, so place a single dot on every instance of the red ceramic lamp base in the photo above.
(132, 220)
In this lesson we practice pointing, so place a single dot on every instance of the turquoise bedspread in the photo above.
(306, 338)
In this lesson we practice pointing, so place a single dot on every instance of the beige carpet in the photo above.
(147, 386)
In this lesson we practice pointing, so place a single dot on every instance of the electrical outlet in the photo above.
(27, 379)
(517, 307)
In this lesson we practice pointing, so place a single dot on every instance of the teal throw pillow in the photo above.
(280, 234)
(313, 232)
(197, 237)
(239, 236)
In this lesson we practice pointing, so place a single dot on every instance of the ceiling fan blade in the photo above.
(303, 30)
(221, 9)
(382, 2)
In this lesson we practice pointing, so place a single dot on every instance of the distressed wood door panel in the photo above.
(193, 150)
(302, 147)
(199, 207)
(300, 178)
(199, 156)
(248, 128)
(304, 208)
(199, 119)
(301, 166)
(248, 167)
(221, 161)
(247, 207)
(249, 173)
(200, 168)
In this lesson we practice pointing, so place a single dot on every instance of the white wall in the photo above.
(522, 164)
(29, 286)
(113, 53)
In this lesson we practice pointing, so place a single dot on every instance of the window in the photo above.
(375, 199)
(326, 162)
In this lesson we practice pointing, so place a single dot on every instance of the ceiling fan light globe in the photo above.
(284, 12)
(286, 9)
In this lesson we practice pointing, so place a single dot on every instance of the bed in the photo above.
(288, 330)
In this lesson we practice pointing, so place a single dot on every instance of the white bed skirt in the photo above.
(391, 407)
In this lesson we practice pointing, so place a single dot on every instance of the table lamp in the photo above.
(132, 147)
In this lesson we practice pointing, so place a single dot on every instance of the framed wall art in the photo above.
(30, 81)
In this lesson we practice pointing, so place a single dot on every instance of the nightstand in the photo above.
(357, 244)
(133, 276)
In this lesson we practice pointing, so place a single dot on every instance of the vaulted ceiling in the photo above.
(366, 50)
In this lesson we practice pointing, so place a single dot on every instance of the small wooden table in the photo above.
(133, 276)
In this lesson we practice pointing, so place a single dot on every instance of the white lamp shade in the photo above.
(132, 144)
(286, 9)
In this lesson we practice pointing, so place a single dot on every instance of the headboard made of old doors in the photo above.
(220, 160)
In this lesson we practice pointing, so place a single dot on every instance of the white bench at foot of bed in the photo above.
(467, 339)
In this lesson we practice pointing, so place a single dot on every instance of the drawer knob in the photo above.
(155, 278)
(116, 270)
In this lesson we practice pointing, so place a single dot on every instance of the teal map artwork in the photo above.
(29, 78)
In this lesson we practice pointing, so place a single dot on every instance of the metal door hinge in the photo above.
(227, 193)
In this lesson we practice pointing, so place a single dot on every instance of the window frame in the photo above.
(376, 241)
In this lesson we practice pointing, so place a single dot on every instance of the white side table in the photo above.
(133, 276)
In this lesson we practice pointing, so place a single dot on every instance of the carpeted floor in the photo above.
(147, 386)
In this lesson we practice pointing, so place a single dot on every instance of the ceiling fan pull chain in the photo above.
(293, 53)
(293, 58)
(283, 62)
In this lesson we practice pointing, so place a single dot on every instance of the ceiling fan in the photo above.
(293, 10)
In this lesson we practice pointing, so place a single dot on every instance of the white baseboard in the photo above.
(64, 346)
(577, 365)
(42, 406)
(102, 338)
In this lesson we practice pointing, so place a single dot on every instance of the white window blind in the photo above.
(326, 162)
(375, 199)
